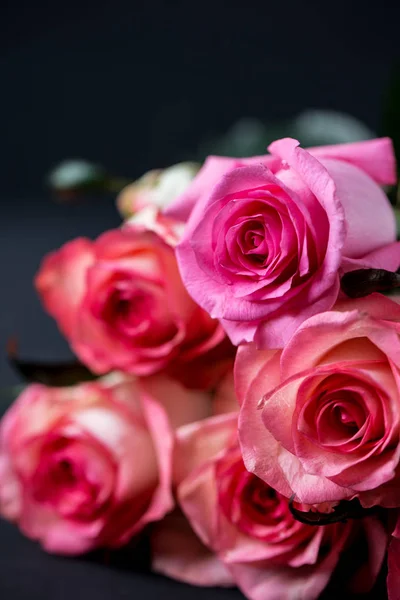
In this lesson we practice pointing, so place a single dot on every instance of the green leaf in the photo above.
(345, 509)
(362, 282)
(76, 174)
(53, 374)
(397, 215)
(57, 374)
(75, 178)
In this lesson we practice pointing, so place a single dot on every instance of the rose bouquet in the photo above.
(241, 402)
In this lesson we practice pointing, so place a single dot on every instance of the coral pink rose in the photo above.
(122, 305)
(252, 538)
(321, 419)
(269, 237)
(89, 466)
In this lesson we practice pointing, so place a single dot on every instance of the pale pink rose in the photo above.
(89, 466)
(157, 188)
(152, 219)
(252, 538)
(122, 305)
(179, 554)
(268, 238)
(321, 419)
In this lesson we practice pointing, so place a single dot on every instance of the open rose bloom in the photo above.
(268, 238)
(122, 305)
(321, 419)
(246, 411)
(243, 532)
(89, 466)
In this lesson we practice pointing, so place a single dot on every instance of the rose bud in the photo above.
(321, 419)
(121, 304)
(247, 526)
(89, 466)
(157, 188)
(269, 238)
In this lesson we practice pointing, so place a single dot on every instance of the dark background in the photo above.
(137, 84)
(133, 86)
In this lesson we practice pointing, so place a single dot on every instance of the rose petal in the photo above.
(369, 216)
(213, 168)
(61, 280)
(178, 553)
(374, 157)
(199, 442)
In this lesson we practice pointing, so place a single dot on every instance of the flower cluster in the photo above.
(245, 407)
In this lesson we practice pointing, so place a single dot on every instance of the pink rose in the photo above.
(269, 237)
(89, 466)
(374, 157)
(252, 538)
(122, 305)
(321, 419)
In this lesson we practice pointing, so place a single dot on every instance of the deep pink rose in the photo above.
(321, 418)
(251, 536)
(268, 238)
(121, 304)
(89, 466)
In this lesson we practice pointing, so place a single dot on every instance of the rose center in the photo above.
(72, 478)
(253, 239)
(127, 308)
(64, 472)
(253, 244)
(130, 306)
(341, 414)
(252, 506)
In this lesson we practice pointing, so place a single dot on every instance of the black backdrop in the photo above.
(135, 85)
